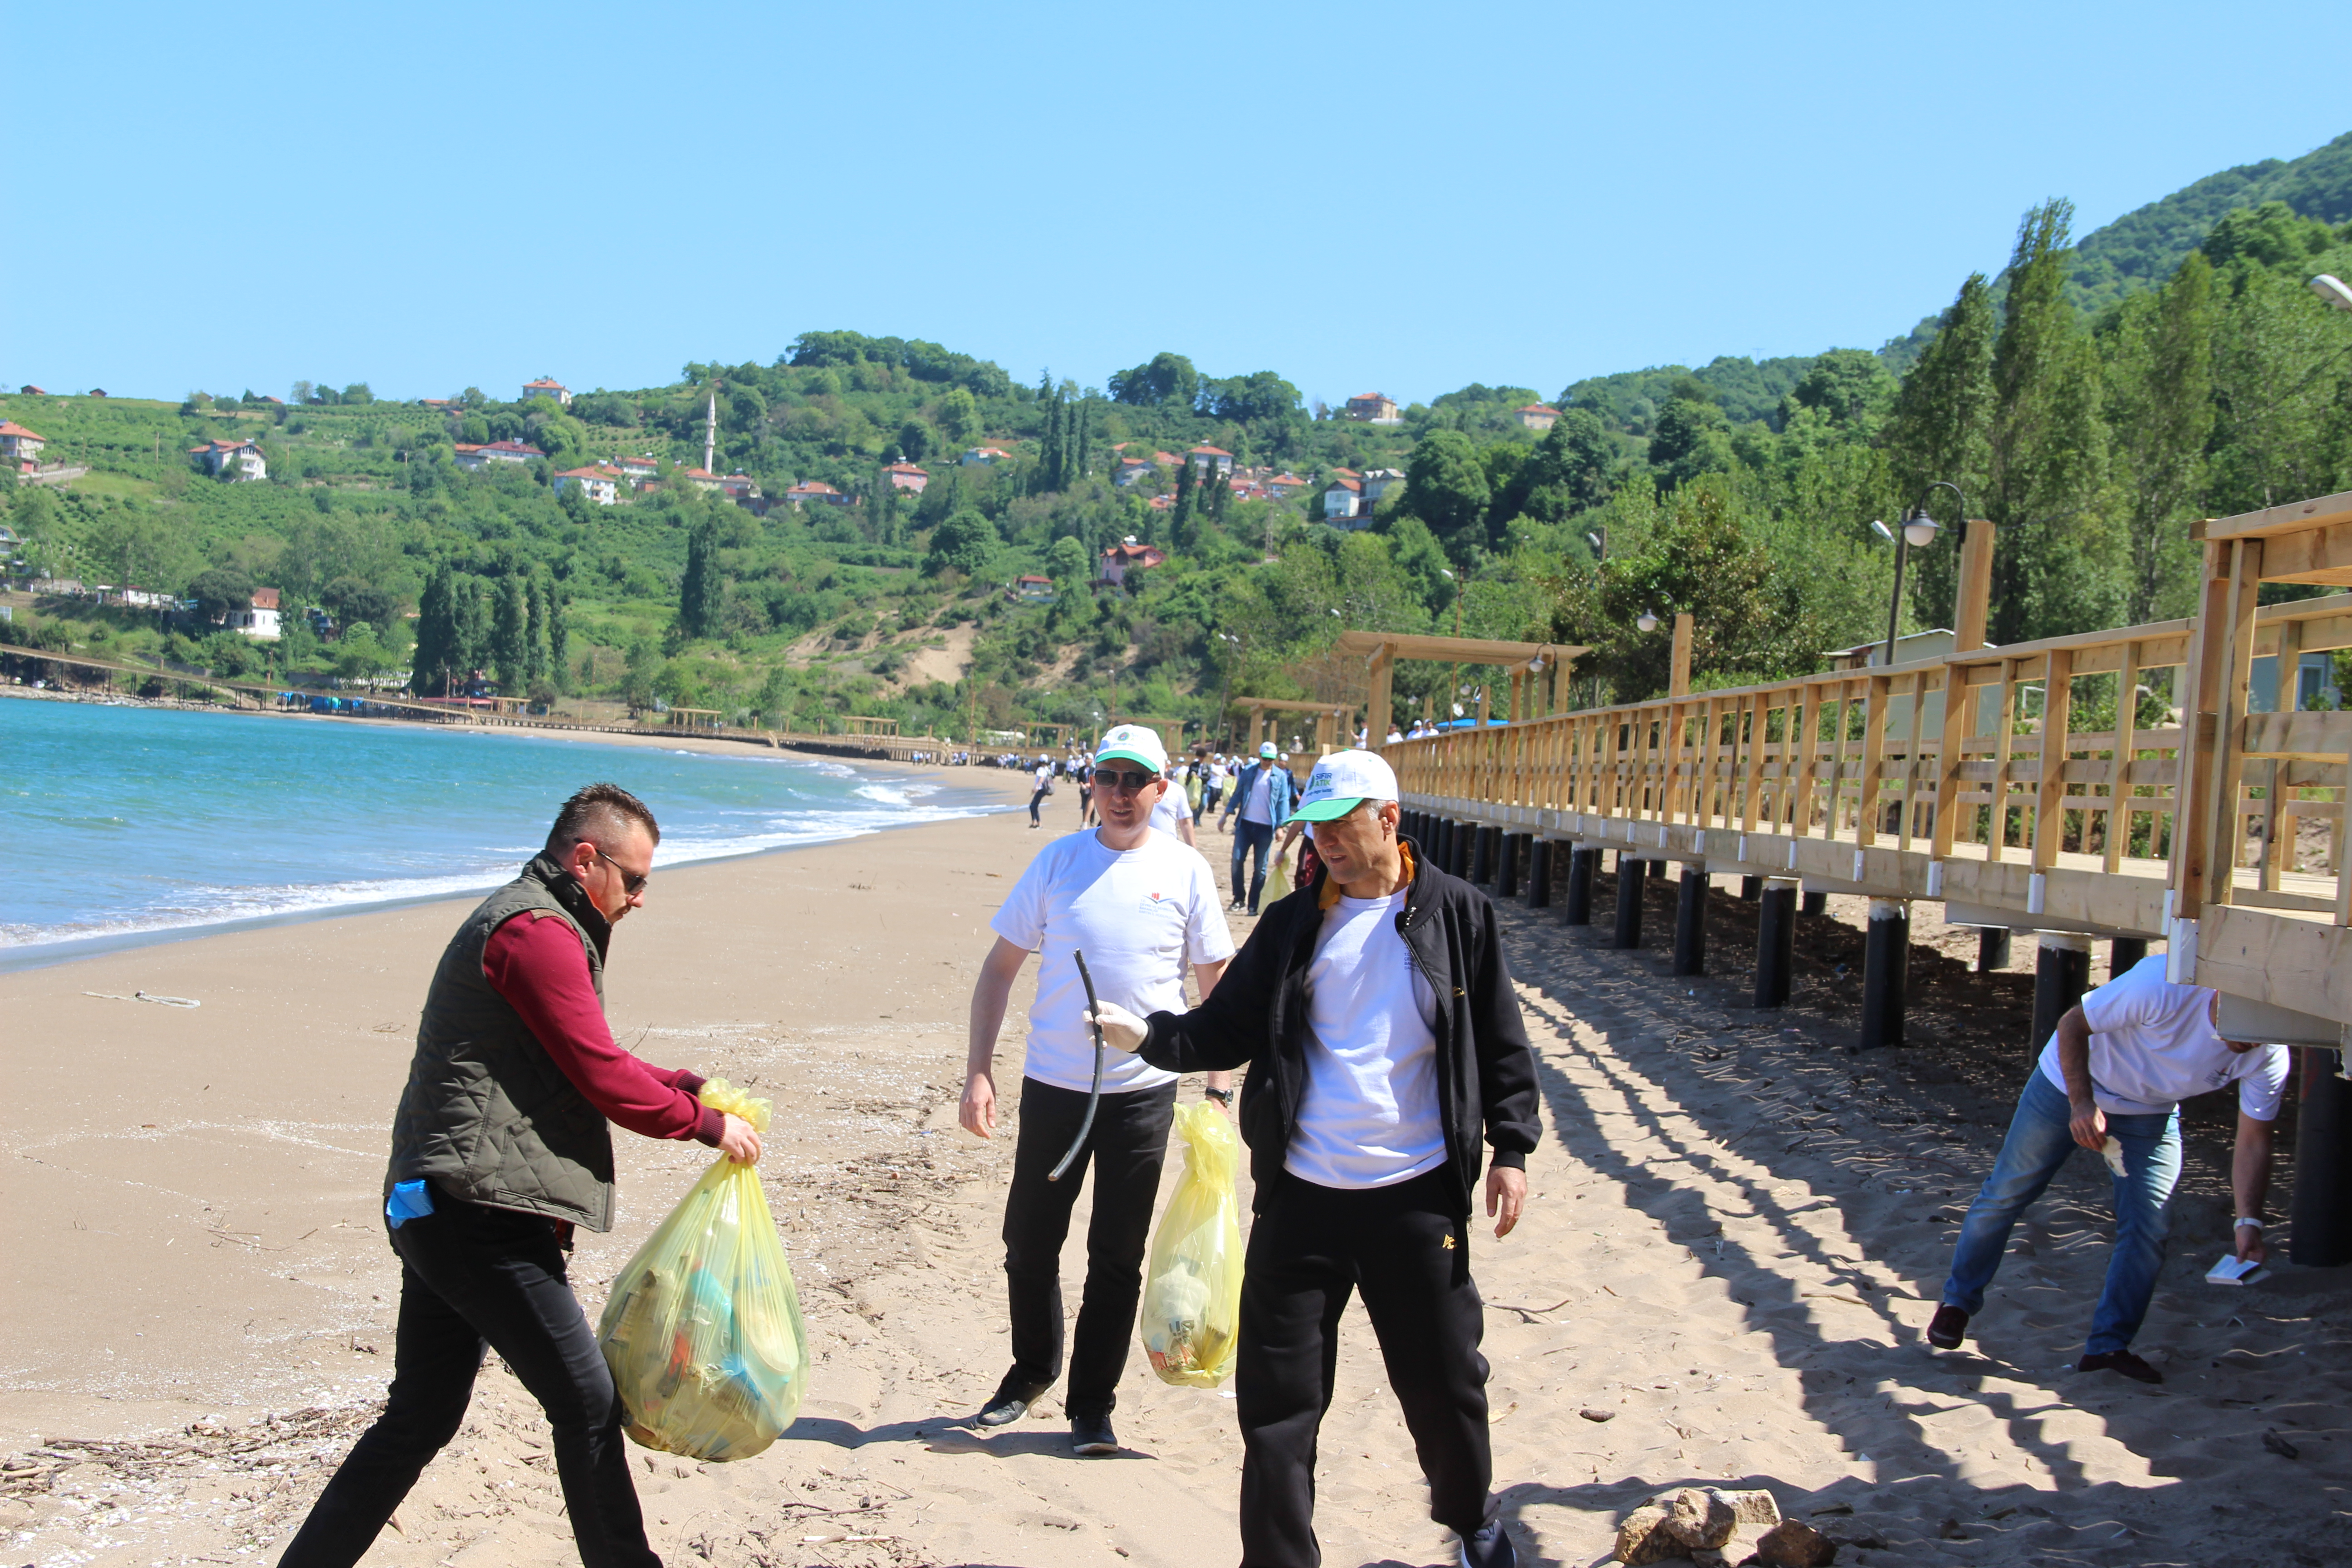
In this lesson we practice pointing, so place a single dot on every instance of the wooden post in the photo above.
(2199, 692)
(2004, 750)
(1873, 758)
(2274, 865)
(1960, 711)
(1678, 684)
(2119, 784)
(1975, 586)
(1376, 721)
(2228, 764)
(2057, 726)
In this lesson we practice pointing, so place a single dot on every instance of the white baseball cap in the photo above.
(1136, 743)
(1267, 750)
(1342, 782)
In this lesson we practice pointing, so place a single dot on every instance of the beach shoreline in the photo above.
(1000, 789)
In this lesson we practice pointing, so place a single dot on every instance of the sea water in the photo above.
(122, 824)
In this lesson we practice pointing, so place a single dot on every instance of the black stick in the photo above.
(1094, 1095)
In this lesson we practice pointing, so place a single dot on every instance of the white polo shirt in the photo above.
(2153, 1046)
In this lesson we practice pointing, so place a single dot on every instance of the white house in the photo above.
(637, 470)
(1538, 416)
(1379, 482)
(1373, 408)
(19, 447)
(481, 456)
(594, 484)
(262, 620)
(241, 459)
(546, 386)
(1343, 498)
(815, 490)
(1203, 458)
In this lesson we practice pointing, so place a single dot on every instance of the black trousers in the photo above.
(473, 1278)
(1124, 1151)
(1034, 800)
(1406, 1247)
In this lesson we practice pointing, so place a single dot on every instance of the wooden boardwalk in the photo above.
(2132, 783)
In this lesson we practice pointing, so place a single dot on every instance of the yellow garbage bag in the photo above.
(702, 1331)
(1192, 1287)
(1278, 881)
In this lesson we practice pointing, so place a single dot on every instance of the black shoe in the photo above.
(1943, 1329)
(1010, 1403)
(2124, 1361)
(1092, 1435)
(1490, 1548)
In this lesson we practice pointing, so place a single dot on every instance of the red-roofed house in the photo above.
(701, 478)
(1128, 556)
(1032, 590)
(817, 491)
(1373, 408)
(985, 457)
(740, 487)
(1165, 459)
(1343, 498)
(1203, 458)
(546, 386)
(473, 457)
(598, 485)
(906, 477)
(1538, 416)
(1129, 470)
(242, 458)
(19, 446)
(262, 619)
(637, 470)
(29, 390)
(1283, 485)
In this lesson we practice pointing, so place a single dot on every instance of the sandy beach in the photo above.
(1735, 1233)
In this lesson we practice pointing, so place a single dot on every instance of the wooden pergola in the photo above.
(697, 718)
(1334, 723)
(1548, 662)
(867, 724)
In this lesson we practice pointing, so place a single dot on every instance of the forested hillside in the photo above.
(2094, 421)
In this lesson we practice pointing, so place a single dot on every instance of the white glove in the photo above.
(1121, 1030)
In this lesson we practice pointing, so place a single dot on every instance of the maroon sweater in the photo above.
(536, 963)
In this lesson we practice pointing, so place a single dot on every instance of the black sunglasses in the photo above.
(632, 883)
(1111, 778)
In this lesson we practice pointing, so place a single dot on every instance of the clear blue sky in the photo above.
(1406, 197)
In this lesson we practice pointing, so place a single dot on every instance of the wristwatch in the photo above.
(2243, 1224)
(1222, 1095)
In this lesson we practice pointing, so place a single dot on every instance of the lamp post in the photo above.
(1918, 529)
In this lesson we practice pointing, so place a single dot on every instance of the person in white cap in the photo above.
(1385, 1044)
(1139, 906)
(1173, 815)
(1263, 794)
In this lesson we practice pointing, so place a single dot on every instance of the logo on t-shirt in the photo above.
(1151, 903)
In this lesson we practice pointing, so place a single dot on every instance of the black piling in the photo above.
(1776, 941)
(2061, 972)
(1816, 903)
(1992, 949)
(1540, 874)
(1751, 889)
(1690, 921)
(1482, 853)
(1506, 870)
(2123, 952)
(1575, 906)
(2321, 1206)
(1631, 874)
(1886, 969)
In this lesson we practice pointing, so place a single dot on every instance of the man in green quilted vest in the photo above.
(502, 1145)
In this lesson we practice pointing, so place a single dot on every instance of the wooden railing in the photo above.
(2038, 785)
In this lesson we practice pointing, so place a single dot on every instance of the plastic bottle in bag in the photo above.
(702, 1331)
(1192, 1287)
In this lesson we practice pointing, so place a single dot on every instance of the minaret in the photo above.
(710, 436)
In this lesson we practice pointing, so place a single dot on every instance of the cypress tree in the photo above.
(2160, 406)
(535, 633)
(509, 634)
(1078, 445)
(700, 590)
(2048, 469)
(1942, 430)
(437, 655)
(559, 636)
(1184, 512)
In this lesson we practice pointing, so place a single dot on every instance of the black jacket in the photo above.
(1486, 1072)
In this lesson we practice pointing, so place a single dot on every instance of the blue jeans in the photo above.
(2038, 1144)
(1249, 836)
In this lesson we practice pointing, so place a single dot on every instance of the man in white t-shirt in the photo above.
(1212, 784)
(2111, 1079)
(1042, 780)
(1375, 1008)
(1139, 906)
(1173, 815)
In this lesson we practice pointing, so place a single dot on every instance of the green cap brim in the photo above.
(1329, 810)
(1127, 757)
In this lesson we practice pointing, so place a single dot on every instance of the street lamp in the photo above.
(1647, 620)
(1918, 532)
(2333, 290)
